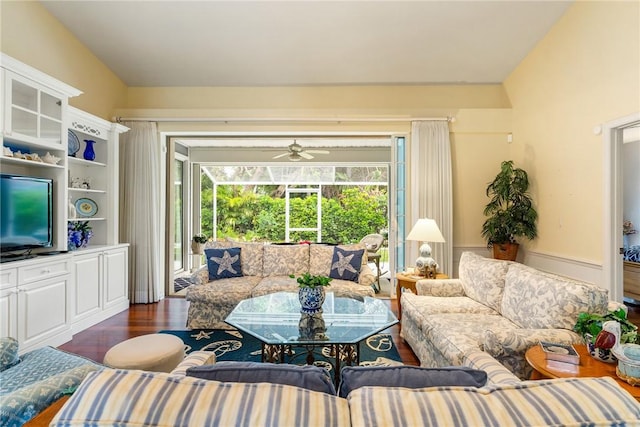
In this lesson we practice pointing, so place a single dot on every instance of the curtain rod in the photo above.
(119, 119)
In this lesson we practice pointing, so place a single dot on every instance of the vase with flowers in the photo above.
(79, 234)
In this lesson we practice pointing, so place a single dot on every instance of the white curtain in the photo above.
(140, 209)
(434, 184)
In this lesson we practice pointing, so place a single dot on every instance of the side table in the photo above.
(408, 281)
(588, 367)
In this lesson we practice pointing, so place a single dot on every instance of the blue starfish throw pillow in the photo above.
(223, 263)
(345, 265)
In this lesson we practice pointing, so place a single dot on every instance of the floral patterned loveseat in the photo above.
(264, 269)
(499, 307)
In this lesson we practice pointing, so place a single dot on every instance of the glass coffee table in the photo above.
(276, 321)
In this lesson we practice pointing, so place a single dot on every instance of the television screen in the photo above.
(25, 212)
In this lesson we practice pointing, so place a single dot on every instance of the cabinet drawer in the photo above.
(42, 271)
(8, 278)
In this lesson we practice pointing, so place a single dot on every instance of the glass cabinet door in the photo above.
(34, 113)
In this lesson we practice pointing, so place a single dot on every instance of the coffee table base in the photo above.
(342, 354)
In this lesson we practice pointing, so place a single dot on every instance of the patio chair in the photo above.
(373, 243)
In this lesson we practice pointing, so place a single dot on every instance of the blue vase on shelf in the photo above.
(89, 152)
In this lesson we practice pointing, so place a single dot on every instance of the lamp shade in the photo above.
(425, 230)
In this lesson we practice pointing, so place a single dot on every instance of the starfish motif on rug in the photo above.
(226, 262)
(343, 263)
(202, 335)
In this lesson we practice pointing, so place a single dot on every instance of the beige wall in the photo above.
(585, 72)
(32, 35)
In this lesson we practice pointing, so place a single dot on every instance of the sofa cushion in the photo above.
(538, 300)
(483, 278)
(8, 353)
(353, 377)
(321, 256)
(308, 377)
(567, 402)
(345, 264)
(19, 406)
(137, 398)
(284, 260)
(455, 334)
(251, 255)
(223, 263)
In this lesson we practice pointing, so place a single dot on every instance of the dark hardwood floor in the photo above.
(171, 313)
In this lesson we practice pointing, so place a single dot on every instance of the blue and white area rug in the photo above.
(234, 345)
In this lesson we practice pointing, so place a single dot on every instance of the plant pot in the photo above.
(311, 299)
(197, 248)
(505, 251)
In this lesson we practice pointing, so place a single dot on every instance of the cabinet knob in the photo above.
(46, 271)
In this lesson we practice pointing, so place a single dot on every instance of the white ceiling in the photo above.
(273, 43)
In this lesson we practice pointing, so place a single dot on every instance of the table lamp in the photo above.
(426, 230)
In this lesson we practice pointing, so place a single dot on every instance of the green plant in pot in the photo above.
(311, 293)
(589, 326)
(510, 212)
(197, 243)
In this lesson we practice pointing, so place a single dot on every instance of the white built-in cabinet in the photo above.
(99, 286)
(44, 300)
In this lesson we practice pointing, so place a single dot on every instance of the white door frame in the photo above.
(613, 204)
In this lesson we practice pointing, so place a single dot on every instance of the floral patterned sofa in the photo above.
(264, 269)
(499, 307)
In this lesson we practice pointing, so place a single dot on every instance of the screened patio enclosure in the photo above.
(287, 202)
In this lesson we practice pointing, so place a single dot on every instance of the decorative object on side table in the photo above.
(560, 352)
(311, 293)
(600, 342)
(79, 234)
(510, 211)
(627, 355)
(426, 230)
(197, 244)
(89, 152)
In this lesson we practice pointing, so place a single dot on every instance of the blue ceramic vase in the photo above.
(89, 152)
(311, 299)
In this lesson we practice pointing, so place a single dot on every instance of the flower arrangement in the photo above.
(627, 228)
(78, 234)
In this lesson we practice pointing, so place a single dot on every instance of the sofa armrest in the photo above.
(196, 358)
(200, 276)
(440, 287)
(497, 373)
(515, 342)
(366, 276)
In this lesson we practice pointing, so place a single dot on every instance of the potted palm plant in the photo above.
(510, 212)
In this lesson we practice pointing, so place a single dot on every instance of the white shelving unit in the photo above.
(44, 300)
(96, 180)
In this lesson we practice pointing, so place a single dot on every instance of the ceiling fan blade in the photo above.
(318, 151)
(280, 155)
(306, 155)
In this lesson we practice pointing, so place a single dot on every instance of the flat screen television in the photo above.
(26, 217)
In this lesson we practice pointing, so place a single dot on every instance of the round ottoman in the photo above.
(153, 352)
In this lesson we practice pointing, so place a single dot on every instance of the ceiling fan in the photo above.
(296, 152)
